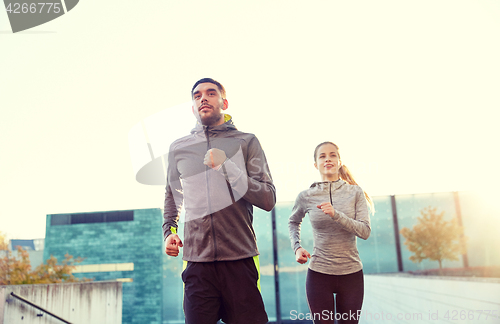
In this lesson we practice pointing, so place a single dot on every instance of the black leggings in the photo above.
(349, 290)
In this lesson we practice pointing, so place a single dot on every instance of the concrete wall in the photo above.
(418, 299)
(91, 302)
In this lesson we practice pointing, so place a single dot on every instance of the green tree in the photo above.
(17, 270)
(434, 238)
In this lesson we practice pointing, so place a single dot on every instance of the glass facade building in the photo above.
(157, 289)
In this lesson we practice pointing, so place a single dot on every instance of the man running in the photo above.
(218, 174)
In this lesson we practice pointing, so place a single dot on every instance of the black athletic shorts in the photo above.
(227, 290)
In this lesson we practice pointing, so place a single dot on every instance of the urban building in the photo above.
(34, 248)
(123, 245)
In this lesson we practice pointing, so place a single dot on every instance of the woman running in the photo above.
(338, 211)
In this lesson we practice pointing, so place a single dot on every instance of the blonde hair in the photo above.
(345, 174)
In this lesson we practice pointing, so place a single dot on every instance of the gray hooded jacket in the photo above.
(335, 251)
(218, 203)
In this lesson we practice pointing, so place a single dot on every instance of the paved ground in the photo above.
(417, 299)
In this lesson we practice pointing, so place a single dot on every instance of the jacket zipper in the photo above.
(331, 202)
(208, 197)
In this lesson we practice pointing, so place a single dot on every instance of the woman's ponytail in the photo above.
(347, 176)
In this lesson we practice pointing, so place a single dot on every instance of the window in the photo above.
(85, 218)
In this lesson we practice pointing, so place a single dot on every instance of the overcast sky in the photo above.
(409, 90)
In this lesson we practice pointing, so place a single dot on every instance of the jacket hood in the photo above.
(228, 125)
(326, 184)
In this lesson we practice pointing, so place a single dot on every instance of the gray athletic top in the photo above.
(335, 251)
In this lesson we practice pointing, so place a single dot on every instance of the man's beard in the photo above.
(211, 119)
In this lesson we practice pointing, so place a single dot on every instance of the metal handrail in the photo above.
(39, 308)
